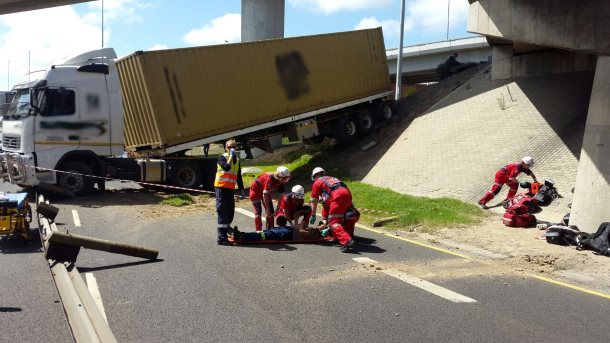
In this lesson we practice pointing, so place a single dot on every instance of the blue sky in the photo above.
(131, 25)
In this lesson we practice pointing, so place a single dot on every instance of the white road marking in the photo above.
(76, 218)
(422, 284)
(95, 293)
(248, 213)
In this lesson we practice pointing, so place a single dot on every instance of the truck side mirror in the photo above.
(36, 98)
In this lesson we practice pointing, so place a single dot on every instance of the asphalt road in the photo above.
(202, 292)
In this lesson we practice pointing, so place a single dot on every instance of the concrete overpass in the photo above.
(420, 61)
(556, 36)
(13, 6)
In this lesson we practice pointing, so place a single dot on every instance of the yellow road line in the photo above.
(541, 278)
(574, 287)
(415, 242)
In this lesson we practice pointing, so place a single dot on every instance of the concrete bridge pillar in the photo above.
(591, 204)
(262, 19)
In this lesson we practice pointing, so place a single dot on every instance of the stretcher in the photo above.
(327, 239)
(15, 215)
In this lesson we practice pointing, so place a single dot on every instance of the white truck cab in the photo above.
(63, 118)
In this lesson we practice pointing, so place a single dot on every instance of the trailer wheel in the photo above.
(315, 140)
(365, 122)
(77, 183)
(186, 174)
(385, 110)
(346, 130)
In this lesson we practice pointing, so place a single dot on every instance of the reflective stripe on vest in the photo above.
(226, 179)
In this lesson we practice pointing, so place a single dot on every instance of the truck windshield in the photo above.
(19, 107)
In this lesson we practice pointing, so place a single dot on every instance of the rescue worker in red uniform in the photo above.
(291, 207)
(508, 175)
(338, 198)
(260, 194)
(228, 174)
(350, 218)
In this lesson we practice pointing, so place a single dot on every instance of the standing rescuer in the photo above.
(228, 174)
(260, 194)
(508, 175)
(338, 199)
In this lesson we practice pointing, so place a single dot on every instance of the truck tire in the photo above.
(186, 174)
(346, 130)
(385, 110)
(365, 122)
(77, 183)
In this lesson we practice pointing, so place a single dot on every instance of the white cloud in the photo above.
(158, 47)
(54, 32)
(45, 35)
(118, 9)
(431, 15)
(225, 29)
(390, 27)
(332, 6)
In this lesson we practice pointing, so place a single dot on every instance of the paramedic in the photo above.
(508, 175)
(338, 198)
(260, 194)
(291, 206)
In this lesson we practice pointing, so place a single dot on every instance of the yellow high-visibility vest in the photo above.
(227, 179)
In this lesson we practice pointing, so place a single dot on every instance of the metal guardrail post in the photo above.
(84, 317)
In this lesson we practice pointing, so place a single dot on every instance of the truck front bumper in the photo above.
(17, 169)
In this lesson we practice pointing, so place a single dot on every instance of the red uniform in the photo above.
(264, 184)
(502, 176)
(338, 198)
(292, 208)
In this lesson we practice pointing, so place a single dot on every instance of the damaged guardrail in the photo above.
(85, 319)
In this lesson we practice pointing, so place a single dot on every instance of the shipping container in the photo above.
(176, 96)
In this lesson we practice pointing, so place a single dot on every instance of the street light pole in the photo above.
(448, 8)
(398, 93)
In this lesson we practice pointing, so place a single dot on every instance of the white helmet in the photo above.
(283, 172)
(317, 170)
(298, 191)
(528, 160)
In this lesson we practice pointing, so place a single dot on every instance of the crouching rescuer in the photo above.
(338, 198)
(228, 174)
(508, 175)
(292, 208)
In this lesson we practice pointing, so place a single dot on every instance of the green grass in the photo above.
(421, 212)
(183, 199)
(425, 214)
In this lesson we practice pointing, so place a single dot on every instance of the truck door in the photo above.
(56, 130)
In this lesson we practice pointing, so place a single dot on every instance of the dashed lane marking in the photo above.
(95, 293)
(76, 218)
(421, 283)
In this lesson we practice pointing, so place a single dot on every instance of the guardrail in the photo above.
(84, 317)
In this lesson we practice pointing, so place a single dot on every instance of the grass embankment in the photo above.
(413, 212)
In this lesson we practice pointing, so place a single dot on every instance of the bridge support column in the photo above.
(262, 19)
(502, 62)
(592, 192)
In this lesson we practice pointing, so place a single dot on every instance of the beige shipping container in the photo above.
(177, 96)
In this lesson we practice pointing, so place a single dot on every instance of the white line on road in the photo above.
(95, 293)
(247, 213)
(76, 218)
(423, 284)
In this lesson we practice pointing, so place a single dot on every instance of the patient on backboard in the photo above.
(282, 232)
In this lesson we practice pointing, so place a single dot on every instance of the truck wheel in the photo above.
(186, 174)
(346, 130)
(77, 183)
(365, 122)
(385, 110)
(315, 140)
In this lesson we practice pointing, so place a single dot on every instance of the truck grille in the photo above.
(11, 142)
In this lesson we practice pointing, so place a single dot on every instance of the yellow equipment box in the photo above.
(15, 215)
